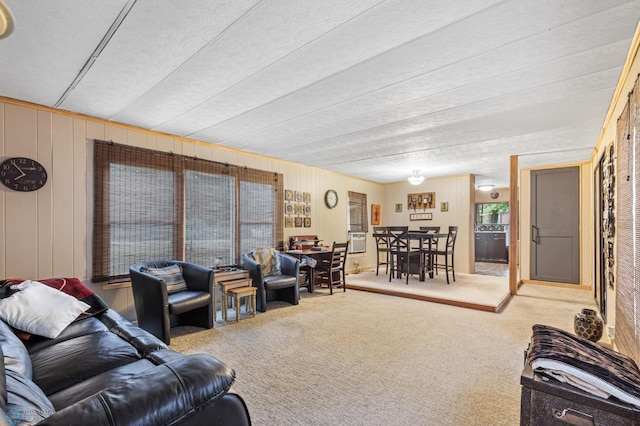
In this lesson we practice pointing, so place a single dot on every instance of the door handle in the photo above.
(535, 234)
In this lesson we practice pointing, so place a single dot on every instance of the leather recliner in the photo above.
(158, 311)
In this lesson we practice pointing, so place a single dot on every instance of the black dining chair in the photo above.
(435, 241)
(397, 249)
(382, 247)
(448, 253)
(331, 271)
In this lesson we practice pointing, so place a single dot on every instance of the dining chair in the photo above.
(397, 249)
(435, 244)
(448, 253)
(331, 271)
(382, 247)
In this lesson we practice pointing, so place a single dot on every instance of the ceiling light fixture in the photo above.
(416, 178)
(485, 187)
(6, 20)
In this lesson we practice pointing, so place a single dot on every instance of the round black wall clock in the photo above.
(331, 198)
(22, 174)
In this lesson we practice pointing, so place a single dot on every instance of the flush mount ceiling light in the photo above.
(416, 178)
(485, 187)
(6, 20)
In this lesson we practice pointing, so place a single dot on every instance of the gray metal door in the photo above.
(555, 225)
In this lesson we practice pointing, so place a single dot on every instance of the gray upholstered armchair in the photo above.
(166, 296)
(272, 285)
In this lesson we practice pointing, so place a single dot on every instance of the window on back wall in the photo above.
(358, 212)
(151, 205)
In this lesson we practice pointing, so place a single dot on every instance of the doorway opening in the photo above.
(491, 236)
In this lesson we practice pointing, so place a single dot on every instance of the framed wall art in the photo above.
(421, 216)
(375, 214)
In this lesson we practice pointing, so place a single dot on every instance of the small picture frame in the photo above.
(298, 208)
(298, 196)
(288, 222)
(375, 214)
(307, 197)
(298, 222)
(421, 216)
(307, 222)
(288, 195)
(398, 207)
(444, 206)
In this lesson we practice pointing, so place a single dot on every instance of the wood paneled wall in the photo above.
(48, 233)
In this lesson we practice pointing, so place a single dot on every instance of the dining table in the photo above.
(310, 258)
(413, 252)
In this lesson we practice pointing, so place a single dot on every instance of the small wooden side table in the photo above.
(229, 285)
(238, 293)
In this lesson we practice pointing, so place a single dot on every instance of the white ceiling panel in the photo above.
(369, 88)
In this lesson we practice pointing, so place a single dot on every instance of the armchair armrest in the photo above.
(289, 265)
(198, 278)
(254, 269)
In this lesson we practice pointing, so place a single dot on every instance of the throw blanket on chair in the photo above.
(269, 259)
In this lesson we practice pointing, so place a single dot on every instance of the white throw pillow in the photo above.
(39, 309)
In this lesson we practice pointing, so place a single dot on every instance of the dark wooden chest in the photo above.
(546, 401)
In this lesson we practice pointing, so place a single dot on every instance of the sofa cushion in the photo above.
(172, 277)
(269, 259)
(16, 356)
(26, 403)
(74, 360)
(39, 309)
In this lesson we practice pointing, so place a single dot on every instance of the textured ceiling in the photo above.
(369, 88)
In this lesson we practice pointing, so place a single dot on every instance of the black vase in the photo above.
(587, 324)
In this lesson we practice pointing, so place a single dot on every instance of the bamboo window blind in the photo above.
(151, 205)
(358, 219)
(627, 277)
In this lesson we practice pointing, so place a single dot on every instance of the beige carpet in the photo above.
(361, 358)
(488, 293)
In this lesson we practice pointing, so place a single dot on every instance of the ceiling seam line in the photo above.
(97, 51)
(271, 64)
(422, 98)
(388, 50)
(382, 126)
(210, 42)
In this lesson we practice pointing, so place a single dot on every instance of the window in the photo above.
(358, 221)
(154, 205)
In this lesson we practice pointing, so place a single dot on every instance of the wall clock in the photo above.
(22, 174)
(331, 198)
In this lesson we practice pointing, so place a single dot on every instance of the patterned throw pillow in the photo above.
(172, 277)
(269, 259)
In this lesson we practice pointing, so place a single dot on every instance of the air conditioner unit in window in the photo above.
(357, 242)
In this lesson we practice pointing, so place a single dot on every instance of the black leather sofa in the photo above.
(104, 370)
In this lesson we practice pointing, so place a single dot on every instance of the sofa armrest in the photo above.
(171, 393)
